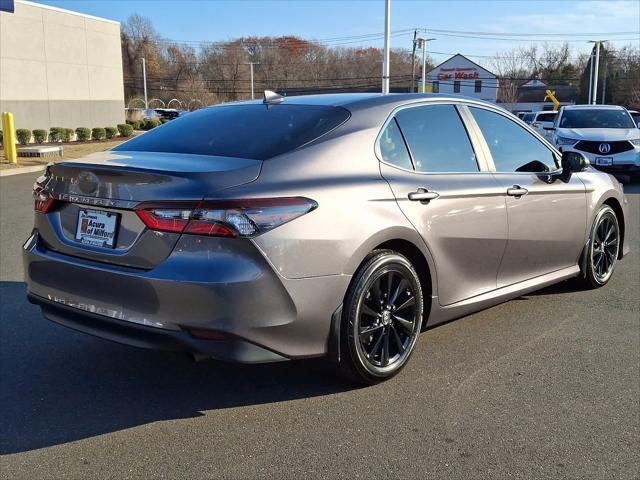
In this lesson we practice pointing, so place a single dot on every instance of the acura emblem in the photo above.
(604, 148)
(87, 182)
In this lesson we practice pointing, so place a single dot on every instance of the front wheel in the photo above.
(382, 317)
(602, 250)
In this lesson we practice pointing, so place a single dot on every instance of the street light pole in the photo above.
(144, 81)
(423, 45)
(590, 76)
(594, 91)
(387, 47)
(252, 92)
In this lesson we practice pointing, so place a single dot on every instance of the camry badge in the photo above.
(604, 148)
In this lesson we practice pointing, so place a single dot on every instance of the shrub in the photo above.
(131, 122)
(98, 133)
(164, 120)
(39, 135)
(83, 134)
(125, 129)
(137, 125)
(150, 123)
(23, 135)
(0, 136)
(66, 134)
(55, 134)
(111, 132)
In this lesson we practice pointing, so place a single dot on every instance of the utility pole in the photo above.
(423, 45)
(387, 47)
(413, 63)
(144, 81)
(594, 99)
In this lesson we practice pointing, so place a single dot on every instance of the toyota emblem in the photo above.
(87, 182)
(604, 148)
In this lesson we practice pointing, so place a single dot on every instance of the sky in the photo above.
(216, 20)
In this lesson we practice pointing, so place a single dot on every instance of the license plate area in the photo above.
(604, 161)
(97, 228)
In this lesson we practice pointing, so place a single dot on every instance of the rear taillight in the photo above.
(224, 218)
(43, 199)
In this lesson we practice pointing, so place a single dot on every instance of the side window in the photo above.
(393, 148)
(456, 86)
(435, 87)
(437, 139)
(512, 147)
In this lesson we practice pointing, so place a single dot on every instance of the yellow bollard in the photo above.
(9, 137)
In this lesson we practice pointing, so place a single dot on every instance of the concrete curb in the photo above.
(6, 172)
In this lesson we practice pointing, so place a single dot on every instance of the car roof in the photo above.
(366, 100)
(590, 107)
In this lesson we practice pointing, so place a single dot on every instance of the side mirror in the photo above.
(573, 162)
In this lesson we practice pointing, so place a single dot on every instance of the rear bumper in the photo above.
(229, 349)
(218, 284)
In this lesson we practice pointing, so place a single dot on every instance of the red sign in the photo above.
(469, 73)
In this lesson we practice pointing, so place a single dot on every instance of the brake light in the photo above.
(43, 201)
(224, 218)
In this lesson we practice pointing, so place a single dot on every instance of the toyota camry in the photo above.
(336, 226)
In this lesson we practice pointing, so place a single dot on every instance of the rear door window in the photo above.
(437, 139)
(252, 131)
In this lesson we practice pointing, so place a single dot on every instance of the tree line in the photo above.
(204, 73)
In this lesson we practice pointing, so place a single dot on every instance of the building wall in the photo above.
(459, 68)
(60, 68)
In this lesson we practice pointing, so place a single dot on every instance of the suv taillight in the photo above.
(43, 201)
(224, 218)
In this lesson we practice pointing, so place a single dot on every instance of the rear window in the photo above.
(245, 131)
(546, 117)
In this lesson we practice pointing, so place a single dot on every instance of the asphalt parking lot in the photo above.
(545, 386)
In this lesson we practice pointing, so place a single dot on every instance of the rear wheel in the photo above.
(602, 250)
(382, 318)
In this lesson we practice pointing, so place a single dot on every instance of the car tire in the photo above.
(601, 253)
(381, 319)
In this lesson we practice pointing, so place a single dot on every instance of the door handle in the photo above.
(517, 191)
(423, 195)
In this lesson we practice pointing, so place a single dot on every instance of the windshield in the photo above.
(596, 118)
(252, 131)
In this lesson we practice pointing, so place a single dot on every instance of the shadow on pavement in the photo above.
(60, 386)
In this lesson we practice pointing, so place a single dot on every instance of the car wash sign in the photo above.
(7, 6)
(461, 73)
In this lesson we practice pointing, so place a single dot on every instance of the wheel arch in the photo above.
(420, 259)
(617, 209)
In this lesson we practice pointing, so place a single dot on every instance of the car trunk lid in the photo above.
(110, 184)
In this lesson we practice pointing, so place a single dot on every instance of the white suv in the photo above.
(542, 121)
(605, 134)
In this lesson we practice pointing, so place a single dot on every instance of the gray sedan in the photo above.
(332, 225)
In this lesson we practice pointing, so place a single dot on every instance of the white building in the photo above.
(461, 76)
(59, 68)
